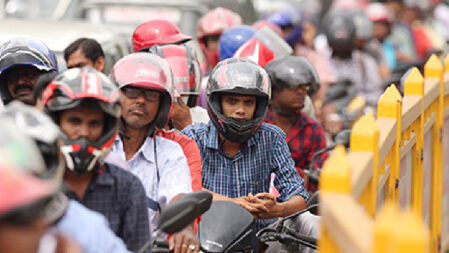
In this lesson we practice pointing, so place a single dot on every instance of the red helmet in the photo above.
(256, 51)
(22, 196)
(350, 4)
(264, 23)
(69, 90)
(157, 32)
(377, 12)
(185, 67)
(216, 21)
(147, 71)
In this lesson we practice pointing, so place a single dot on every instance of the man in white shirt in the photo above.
(146, 90)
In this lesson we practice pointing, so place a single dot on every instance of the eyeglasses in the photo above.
(134, 92)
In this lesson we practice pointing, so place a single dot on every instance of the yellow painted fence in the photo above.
(390, 193)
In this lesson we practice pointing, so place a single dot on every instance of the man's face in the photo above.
(212, 42)
(291, 99)
(380, 30)
(238, 107)
(139, 106)
(22, 238)
(82, 122)
(78, 59)
(20, 81)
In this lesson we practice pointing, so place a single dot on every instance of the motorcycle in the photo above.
(342, 138)
(177, 216)
(228, 228)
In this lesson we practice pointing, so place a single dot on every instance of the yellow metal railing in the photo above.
(390, 193)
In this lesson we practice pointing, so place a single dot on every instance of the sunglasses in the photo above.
(15, 74)
(134, 92)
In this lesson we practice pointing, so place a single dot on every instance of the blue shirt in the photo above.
(249, 171)
(89, 229)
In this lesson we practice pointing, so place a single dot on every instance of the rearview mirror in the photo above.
(343, 138)
(184, 211)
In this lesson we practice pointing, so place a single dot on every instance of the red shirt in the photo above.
(304, 139)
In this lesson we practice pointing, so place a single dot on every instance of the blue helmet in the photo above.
(232, 38)
(292, 18)
(24, 52)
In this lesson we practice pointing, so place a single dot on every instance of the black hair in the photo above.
(91, 48)
(42, 82)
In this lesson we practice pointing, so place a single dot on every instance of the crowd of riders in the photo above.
(89, 160)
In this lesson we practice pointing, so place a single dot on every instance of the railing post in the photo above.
(410, 234)
(414, 86)
(445, 170)
(383, 227)
(434, 69)
(400, 231)
(334, 178)
(365, 138)
(390, 106)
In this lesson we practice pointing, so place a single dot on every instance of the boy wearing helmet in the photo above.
(23, 203)
(67, 217)
(26, 206)
(350, 63)
(84, 103)
(22, 61)
(146, 87)
(187, 82)
(291, 78)
(209, 29)
(240, 152)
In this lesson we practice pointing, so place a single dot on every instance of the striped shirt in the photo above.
(249, 170)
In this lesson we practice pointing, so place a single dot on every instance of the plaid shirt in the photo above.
(120, 197)
(249, 171)
(304, 139)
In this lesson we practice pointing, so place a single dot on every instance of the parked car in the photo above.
(58, 35)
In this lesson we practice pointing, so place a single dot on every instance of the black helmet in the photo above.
(69, 90)
(241, 77)
(292, 71)
(24, 52)
(340, 30)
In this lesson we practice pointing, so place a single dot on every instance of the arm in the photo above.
(185, 237)
(244, 201)
(174, 171)
(136, 230)
(318, 142)
(181, 115)
(287, 180)
(98, 238)
(192, 154)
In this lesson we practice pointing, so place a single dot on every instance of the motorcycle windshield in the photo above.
(224, 226)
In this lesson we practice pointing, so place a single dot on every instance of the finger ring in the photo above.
(184, 246)
(192, 247)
